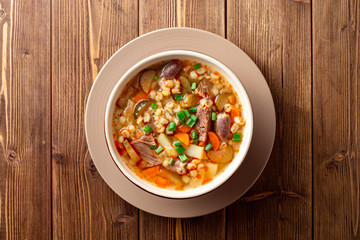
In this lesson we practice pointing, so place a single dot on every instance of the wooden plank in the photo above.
(277, 36)
(211, 226)
(154, 15)
(186, 15)
(85, 34)
(210, 16)
(25, 133)
(336, 94)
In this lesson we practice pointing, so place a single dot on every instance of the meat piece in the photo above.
(147, 139)
(170, 69)
(204, 87)
(147, 154)
(204, 122)
(222, 126)
(179, 167)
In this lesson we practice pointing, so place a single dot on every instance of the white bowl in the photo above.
(247, 132)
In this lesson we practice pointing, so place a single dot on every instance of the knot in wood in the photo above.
(257, 196)
(343, 27)
(97, 62)
(58, 157)
(2, 14)
(336, 160)
(12, 156)
(122, 218)
(92, 167)
(302, 1)
(339, 157)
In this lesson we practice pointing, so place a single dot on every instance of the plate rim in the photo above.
(150, 35)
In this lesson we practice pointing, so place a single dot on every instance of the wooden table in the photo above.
(51, 52)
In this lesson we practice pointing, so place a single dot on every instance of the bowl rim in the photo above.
(200, 190)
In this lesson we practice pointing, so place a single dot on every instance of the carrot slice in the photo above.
(128, 166)
(232, 99)
(162, 181)
(183, 137)
(214, 140)
(234, 113)
(151, 172)
(179, 188)
(140, 96)
(139, 174)
(206, 181)
(184, 128)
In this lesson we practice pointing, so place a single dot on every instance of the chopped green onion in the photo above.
(183, 157)
(147, 129)
(190, 122)
(181, 115)
(208, 147)
(193, 86)
(197, 66)
(182, 121)
(171, 162)
(213, 116)
(237, 138)
(154, 106)
(177, 143)
(156, 77)
(159, 149)
(180, 149)
(152, 147)
(178, 97)
(193, 117)
(196, 141)
(187, 114)
(171, 126)
(193, 109)
(194, 135)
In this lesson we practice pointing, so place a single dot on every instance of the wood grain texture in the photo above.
(186, 15)
(154, 15)
(51, 52)
(277, 36)
(210, 16)
(336, 94)
(84, 35)
(25, 187)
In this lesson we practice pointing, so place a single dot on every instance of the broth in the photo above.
(178, 124)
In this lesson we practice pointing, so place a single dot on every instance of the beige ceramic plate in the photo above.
(232, 57)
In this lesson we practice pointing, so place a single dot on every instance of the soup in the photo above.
(178, 124)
